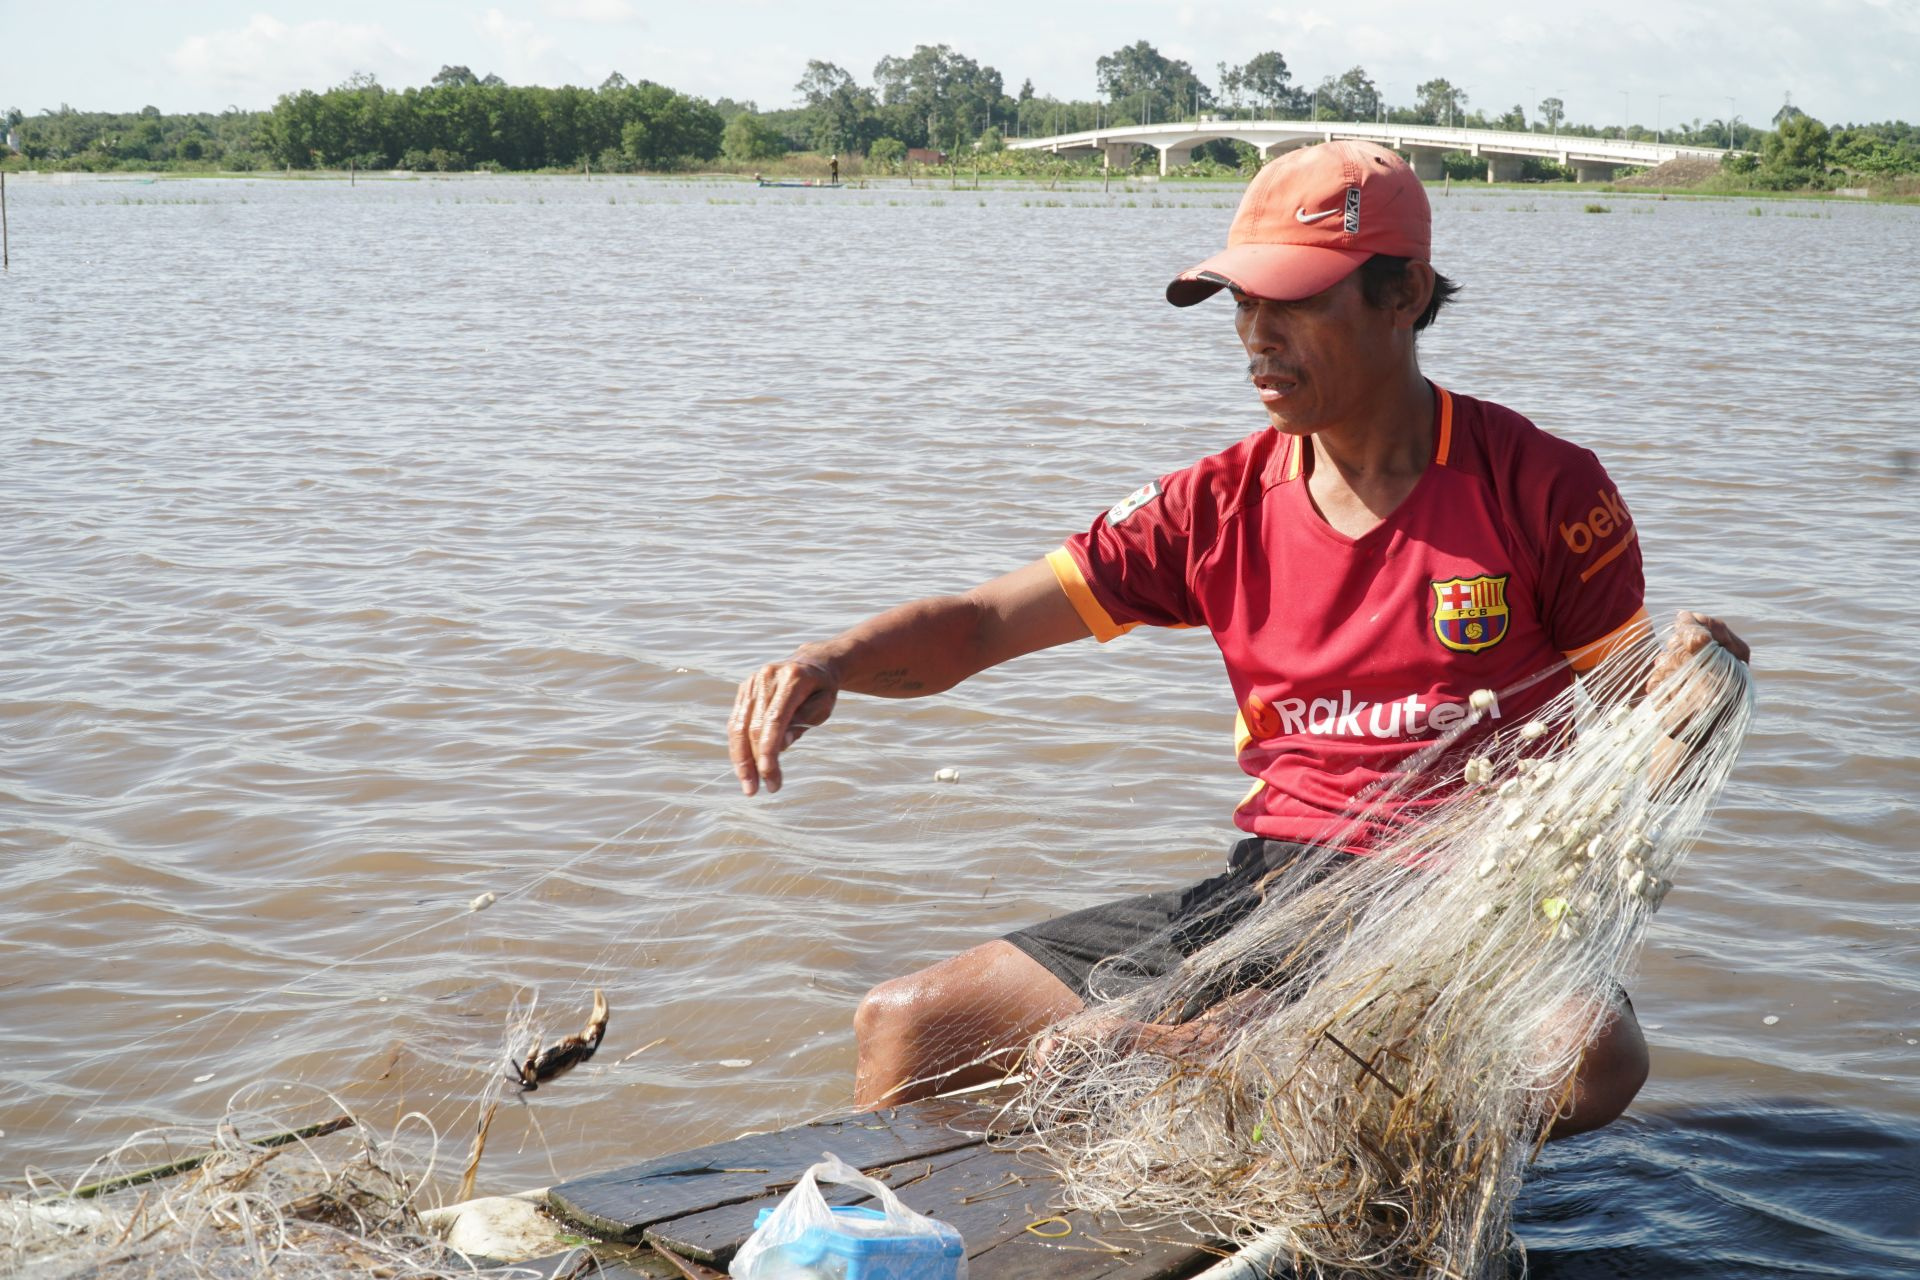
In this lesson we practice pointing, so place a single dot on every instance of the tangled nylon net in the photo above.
(1364, 1066)
(261, 1194)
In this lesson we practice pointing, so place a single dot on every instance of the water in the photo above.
(366, 549)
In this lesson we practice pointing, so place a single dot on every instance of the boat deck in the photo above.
(689, 1213)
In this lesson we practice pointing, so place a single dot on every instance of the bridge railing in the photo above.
(1451, 138)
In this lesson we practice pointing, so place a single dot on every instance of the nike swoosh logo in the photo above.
(1304, 216)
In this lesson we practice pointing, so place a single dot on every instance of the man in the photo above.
(1377, 552)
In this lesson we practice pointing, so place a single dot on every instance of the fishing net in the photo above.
(266, 1191)
(1362, 1069)
(290, 1182)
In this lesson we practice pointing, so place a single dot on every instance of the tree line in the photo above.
(934, 97)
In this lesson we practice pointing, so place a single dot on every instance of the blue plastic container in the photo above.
(858, 1252)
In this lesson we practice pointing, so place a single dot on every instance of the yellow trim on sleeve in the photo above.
(1066, 570)
(1589, 656)
(1259, 785)
(1444, 445)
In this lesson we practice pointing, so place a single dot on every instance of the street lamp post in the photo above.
(1626, 112)
(1659, 107)
(1729, 124)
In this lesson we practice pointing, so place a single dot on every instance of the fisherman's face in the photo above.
(1320, 361)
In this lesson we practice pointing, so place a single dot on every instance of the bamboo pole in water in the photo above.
(320, 1130)
(6, 254)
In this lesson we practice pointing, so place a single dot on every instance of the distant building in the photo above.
(13, 138)
(925, 155)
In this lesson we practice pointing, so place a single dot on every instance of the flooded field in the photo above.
(367, 549)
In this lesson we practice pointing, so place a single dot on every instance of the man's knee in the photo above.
(1611, 1072)
(890, 1011)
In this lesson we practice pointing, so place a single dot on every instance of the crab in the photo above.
(545, 1065)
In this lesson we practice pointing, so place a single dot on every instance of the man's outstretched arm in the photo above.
(924, 647)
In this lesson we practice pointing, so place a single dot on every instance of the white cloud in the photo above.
(267, 57)
(527, 54)
(591, 10)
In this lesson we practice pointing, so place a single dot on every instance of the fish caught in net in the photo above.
(1364, 1067)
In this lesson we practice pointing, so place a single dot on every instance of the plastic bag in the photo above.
(803, 1238)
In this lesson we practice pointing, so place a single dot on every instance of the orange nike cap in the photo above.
(1309, 218)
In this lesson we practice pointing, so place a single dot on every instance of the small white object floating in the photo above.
(1770, 1019)
(203, 1079)
(482, 902)
(947, 775)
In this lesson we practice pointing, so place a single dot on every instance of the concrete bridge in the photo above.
(1591, 159)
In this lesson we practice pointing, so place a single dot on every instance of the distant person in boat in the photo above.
(1378, 550)
(833, 168)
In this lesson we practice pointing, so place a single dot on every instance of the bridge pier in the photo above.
(1504, 168)
(1427, 165)
(1592, 171)
(1172, 157)
(1116, 155)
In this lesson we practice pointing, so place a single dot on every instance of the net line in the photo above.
(1365, 1066)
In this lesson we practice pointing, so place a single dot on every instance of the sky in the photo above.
(1657, 60)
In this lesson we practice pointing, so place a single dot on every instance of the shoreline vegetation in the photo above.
(933, 115)
(800, 175)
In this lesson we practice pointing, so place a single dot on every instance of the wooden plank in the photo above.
(991, 1197)
(715, 1235)
(576, 1265)
(622, 1204)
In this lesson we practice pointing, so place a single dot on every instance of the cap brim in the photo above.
(1286, 272)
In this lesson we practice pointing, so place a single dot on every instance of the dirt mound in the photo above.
(1681, 171)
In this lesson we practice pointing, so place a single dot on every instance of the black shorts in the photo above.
(1106, 951)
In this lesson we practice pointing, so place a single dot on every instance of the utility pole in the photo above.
(1659, 107)
(1729, 124)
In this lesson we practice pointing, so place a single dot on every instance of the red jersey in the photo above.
(1350, 655)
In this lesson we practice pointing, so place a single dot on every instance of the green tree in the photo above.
(1439, 102)
(1795, 154)
(1352, 97)
(840, 114)
(955, 96)
(1267, 81)
(663, 128)
(1146, 85)
(887, 151)
(1515, 119)
(454, 77)
(748, 139)
(1553, 111)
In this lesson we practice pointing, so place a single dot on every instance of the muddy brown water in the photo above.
(366, 549)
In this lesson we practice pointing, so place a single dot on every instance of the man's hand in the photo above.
(1682, 706)
(772, 709)
(1692, 632)
(910, 651)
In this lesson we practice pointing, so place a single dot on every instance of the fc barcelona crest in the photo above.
(1470, 614)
